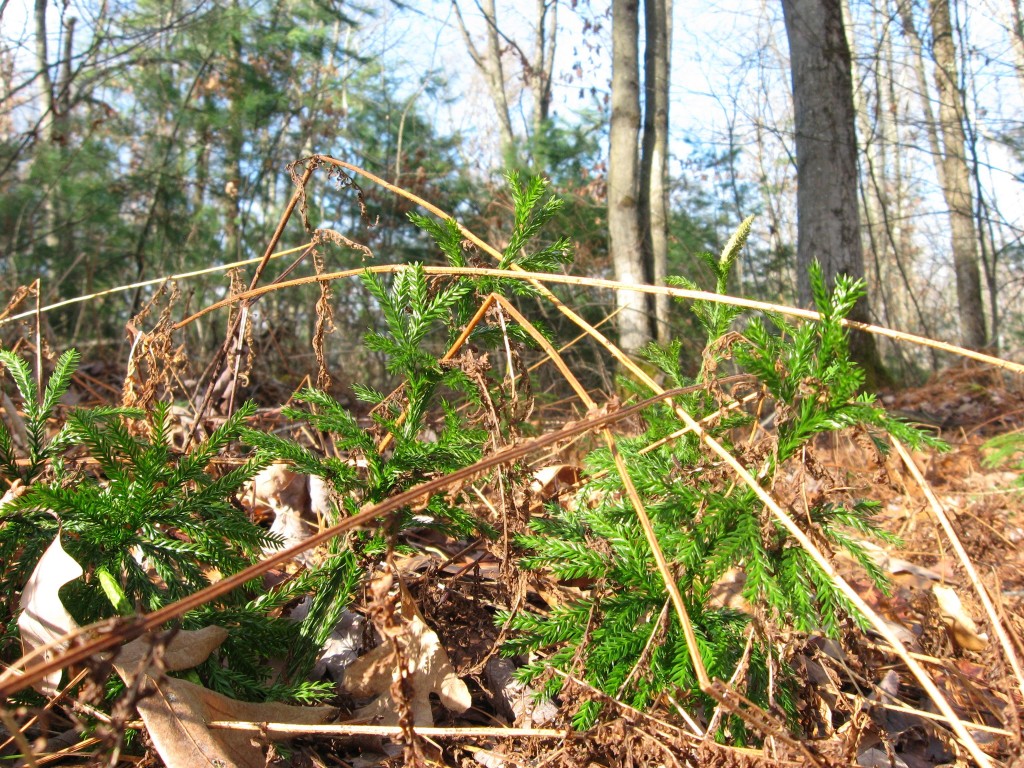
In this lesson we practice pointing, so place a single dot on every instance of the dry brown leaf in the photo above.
(43, 617)
(552, 480)
(300, 503)
(187, 649)
(176, 717)
(961, 626)
(278, 486)
(431, 671)
(178, 712)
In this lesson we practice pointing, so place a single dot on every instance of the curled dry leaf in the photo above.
(552, 480)
(430, 671)
(298, 502)
(43, 616)
(177, 713)
(961, 626)
(515, 700)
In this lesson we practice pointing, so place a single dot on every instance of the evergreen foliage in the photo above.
(143, 508)
(1004, 450)
(150, 526)
(415, 311)
(38, 411)
(412, 312)
(620, 638)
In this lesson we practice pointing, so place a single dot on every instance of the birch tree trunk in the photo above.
(956, 177)
(828, 218)
(623, 175)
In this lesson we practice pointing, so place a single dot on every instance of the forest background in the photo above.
(144, 139)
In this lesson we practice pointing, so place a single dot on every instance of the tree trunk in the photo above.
(623, 176)
(956, 176)
(885, 208)
(489, 63)
(828, 219)
(47, 126)
(541, 71)
(1015, 27)
(234, 138)
(654, 158)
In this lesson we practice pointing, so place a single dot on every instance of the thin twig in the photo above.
(972, 572)
(349, 729)
(539, 278)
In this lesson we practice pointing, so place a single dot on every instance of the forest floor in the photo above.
(858, 703)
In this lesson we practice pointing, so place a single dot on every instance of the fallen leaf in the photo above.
(186, 649)
(515, 700)
(300, 503)
(877, 758)
(552, 480)
(177, 712)
(961, 626)
(43, 616)
(277, 486)
(430, 671)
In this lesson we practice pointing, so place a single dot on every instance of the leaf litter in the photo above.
(889, 722)
(423, 664)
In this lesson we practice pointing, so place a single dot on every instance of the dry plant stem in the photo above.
(958, 547)
(243, 326)
(642, 659)
(118, 631)
(740, 670)
(39, 344)
(74, 749)
(671, 586)
(575, 340)
(19, 738)
(687, 717)
(823, 562)
(932, 716)
(300, 191)
(538, 278)
(54, 700)
(722, 694)
(348, 729)
(667, 727)
(239, 323)
(153, 281)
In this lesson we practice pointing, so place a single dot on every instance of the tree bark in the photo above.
(1015, 27)
(828, 217)
(956, 176)
(490, 65)
(47, 126)
(541, 70)
(46, 122)
(886, 211)
(654, 156)
(623, 176)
